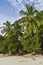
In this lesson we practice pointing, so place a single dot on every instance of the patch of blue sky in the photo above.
(9, 9)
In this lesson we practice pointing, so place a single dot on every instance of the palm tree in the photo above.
(7, 28)
(28, 19)
(6, 31)
(39, 16)
(18, 34)
(12, 33)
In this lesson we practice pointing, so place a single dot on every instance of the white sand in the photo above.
(21, 60)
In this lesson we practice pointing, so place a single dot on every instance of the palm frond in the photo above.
(22, 12)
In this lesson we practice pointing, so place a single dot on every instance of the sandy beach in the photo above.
(21, 60)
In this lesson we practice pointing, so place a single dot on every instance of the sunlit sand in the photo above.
(21, 60)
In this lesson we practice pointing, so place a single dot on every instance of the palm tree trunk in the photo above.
(10, 53)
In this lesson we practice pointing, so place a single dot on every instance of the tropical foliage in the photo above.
(24, 35)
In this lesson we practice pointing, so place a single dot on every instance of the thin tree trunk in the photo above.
(10, 53)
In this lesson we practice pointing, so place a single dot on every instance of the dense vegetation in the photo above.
(24, 35)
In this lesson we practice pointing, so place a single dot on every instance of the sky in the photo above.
(9, 9)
